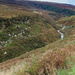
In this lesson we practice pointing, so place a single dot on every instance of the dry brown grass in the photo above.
(72, 31)
(53, 60)
(9, 12)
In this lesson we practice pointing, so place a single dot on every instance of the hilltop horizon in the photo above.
(71, 2)
(67, 2)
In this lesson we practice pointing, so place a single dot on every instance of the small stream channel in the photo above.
(62, 35)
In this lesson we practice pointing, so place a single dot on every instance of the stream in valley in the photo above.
(62, 35)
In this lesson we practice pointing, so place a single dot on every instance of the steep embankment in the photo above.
(22, 31)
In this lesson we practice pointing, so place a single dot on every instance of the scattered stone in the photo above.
(5, 52)
(15, 36)
(26, 28)
(9, 34)
(29, 35)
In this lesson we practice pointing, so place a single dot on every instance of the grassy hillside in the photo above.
(59, 59)
(69, 23)
(67, 6)
(68, 20)
(30, 43)
(22, 31)
(56, 9)
(67, 11)
(56, 58)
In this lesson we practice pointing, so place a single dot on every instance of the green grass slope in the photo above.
(22, 31)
